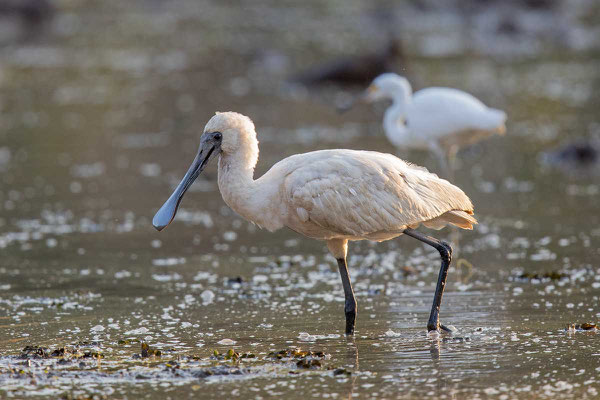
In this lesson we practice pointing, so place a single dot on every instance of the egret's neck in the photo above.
(241, 192)
(394, 122)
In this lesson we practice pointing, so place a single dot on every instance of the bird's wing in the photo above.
(454, 111)
(359, 193)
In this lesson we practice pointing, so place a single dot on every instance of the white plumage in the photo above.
(441, 120)
(356, 195)
(330, 195)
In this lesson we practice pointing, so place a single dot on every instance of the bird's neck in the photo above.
(401, 98)
(394, 122)
(243, 194)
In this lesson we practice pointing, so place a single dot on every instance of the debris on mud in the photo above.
(551, 275)
(221, 370)
(147, 351)
(296, 353)
(586, 326)
(127, 341)
(341, 372)
(37, 352)
(231, 355)
(309, 364)
(304, 359)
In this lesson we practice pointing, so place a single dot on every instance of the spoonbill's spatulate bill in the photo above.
(167, 212)
(438, 119)
(329, 195)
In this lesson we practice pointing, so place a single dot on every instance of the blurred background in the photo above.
(102, 104)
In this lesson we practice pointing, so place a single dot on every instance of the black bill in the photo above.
(165, 215)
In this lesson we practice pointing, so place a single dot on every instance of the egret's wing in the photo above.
(359, 192)
(436, 112)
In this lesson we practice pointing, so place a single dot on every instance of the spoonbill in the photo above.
(329, 195)
(438, 119)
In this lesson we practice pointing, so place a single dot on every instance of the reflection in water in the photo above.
(435, 348)
(353, 355)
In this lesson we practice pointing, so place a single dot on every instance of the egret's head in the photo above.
(226, 134)
(388, 86)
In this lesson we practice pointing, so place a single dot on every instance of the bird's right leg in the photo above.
(446, 254)
(350, 303)
(339, 249)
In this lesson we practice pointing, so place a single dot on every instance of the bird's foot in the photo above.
(433, 326)
(451, 329)
(349, 330)
(441, 328)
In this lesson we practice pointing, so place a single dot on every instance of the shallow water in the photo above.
(98, 125)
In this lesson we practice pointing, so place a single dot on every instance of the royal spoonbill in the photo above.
(441, 120)
(331, 195)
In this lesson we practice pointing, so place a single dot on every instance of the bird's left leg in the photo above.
(339, 249)
(446, 254)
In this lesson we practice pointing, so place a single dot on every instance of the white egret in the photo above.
(438, 119)
(329, 195)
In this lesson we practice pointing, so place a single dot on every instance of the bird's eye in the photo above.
(218, 136)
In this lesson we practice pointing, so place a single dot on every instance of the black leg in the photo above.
(350, 304)
(446, 255)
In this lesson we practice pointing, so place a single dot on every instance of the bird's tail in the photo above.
(459, 218)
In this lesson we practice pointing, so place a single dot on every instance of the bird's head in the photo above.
(225, 134)
(388, 86)
(237, 131)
